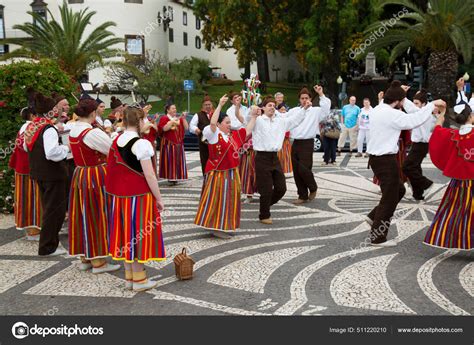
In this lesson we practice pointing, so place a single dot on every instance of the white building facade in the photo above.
(166, 27)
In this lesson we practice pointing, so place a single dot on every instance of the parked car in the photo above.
(190, 139)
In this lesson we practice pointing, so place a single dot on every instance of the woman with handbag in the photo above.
(331, 130)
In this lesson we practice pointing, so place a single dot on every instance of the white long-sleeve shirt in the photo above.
(193, 125)
(462, 96)
(309, 128)
(96, 139)
(420, 134)
(386, 123)
(269, 133)
(52, 149)
(235, 123)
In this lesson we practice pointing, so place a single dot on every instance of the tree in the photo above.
(445, 31)
(155, 76)
(252, 28)
(44, 76)
(64, 41)
(328, 34)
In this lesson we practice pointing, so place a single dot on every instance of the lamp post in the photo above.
(39, 7)
(339, 82)
(276, 70)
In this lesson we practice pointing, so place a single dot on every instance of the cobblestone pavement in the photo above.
(312, 261)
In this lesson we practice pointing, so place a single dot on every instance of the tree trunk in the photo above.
(262, 67)
(247, 70)
(442, 71)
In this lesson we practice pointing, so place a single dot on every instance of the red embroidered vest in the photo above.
(121, 179)
(224, 155)
(83, 155)
(19, 158)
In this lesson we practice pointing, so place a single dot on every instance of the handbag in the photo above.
(332, 133)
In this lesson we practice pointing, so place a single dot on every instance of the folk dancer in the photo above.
(452, 151)
(268, 136)
(27, 201)
(135, 202)
(88, 236)
(386, 123)
(420, 137)
(303, 143)
(171, 128)
(219, 208)
(48, 168)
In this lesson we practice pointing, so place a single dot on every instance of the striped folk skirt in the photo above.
(219, 207)
(172, 161)
(284, 155)
(247, 172)
(88, 213)
(135, 229)
(27, 203)
(453, 224)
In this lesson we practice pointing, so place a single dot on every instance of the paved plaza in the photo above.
(312, 261)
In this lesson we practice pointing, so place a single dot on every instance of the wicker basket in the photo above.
(183, 265)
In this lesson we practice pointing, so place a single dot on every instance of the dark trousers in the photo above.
(330, 147)
(302, 159)
(386, 169)
(271, 182)
(203, 154)
(54, 203)
(412, 169)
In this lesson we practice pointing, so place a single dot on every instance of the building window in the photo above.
(135, 44)
(198, 23)
(170, 13)
(3, 48)
(134, 1)
(40, 7)
(171, 35)
(198, 42)
(185, 38)
(76, 1)
(185, 18)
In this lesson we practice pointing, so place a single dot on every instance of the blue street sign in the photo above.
(188, 85)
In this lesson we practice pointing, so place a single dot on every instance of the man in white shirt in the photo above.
(267, 137)
(386, 123)
(303, 143)
(420, 138)
(237, 112)
(47, 167)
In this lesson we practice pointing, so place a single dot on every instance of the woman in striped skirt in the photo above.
(27, 196)
(171, 128)
(284, 155)
(219, 207)
(135, 202)
(452, 151)
(87, 198)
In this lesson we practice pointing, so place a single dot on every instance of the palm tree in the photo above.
(445, 31)
(64, 41)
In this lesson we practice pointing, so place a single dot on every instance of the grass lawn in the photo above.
(215, 92)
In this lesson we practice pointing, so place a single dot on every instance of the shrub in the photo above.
(44, 76)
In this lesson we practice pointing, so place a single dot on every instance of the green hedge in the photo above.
(15, 78)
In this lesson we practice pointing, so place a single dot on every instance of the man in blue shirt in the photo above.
(350, 113)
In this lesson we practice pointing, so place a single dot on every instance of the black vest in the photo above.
(43, 169)
(203, 122)
(129, 158)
